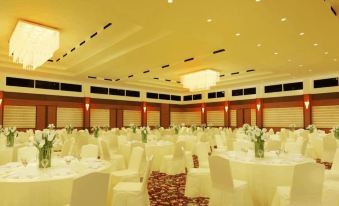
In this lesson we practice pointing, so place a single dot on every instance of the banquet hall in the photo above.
(169, 103)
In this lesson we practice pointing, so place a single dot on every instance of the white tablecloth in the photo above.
(31, 186)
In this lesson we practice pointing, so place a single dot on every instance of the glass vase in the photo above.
(10, 140)
(144, 138)
(45, 157)
(259, 149)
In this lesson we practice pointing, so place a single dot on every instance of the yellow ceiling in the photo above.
(145, 35)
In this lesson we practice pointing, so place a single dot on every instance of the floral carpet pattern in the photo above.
(165, 190)
(169, 190)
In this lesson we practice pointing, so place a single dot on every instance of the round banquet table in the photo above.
(263, 175)
(30, 186)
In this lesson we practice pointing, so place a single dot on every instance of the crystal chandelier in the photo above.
(201, 80)
(32, 45)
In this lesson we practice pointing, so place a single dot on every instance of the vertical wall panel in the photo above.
(233, 114)
(325, 116)
(100, 117)
(153, 118)
(215, 118)
(131, 117)
(283, 117)
(19, 116)
(187, 118)
(66, 116)
(253, 117)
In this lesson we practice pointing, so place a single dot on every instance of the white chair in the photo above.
(91, 189)
(198, 183)
(117, 160)
(67, 147)
(132, 173)
(334, 172)
(132, 193)
(174, 164)
(202, 153)
(225, 190)
(89, 151)
(220, 143)
(306, 188)
(29, 153)
(329, 148)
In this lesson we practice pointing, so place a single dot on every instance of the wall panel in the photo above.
(325, 116)
(66, 116)
(188, 118)
(233, 114)
(100, 117)
(131, 117)
(253, 117)
(283, 117)
(215, 118)
(153, 118)
(19, 116)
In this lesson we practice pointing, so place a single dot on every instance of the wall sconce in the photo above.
(203, 109)
(87, 106)
(307, 104)
(0, 101)
(145, 108)
(258, 107)
(226, 108)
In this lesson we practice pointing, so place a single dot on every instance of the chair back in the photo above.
(219, 141)
(105, 150)
(273, 145)
(30, 153)
(136, 158)
(335, 164)
(202, 151)
(122, 139)
(147, 173)
(329, 143)
(89, 151)
(91, 189)
(220, 172)
(307, 184)
(178, 150)
(67, 147)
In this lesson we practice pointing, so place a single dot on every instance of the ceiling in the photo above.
(265, 36)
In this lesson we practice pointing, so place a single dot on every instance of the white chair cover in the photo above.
(89, 151)
(329, 148)
(174, 164)
(29, 153)
(67, 147)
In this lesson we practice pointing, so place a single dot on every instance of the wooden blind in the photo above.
(283, 117)
(215, 118)
(325, 116)
(233, 113)
(132, 117)
(153, 118)
(253, 117)
(66, 116)
(188, 118)
(19, 116)
(100, 117)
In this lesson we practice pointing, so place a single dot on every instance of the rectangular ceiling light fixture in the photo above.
(201, 80)
(32, 44)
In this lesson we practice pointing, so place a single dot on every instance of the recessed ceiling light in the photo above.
(209, 20)
(335, 59)
(258, 45)
(276, 53)
(315, 44)
(300, 65)
(237, 34)
(258, 0)
(283, 19)
(170, 1)
(301, 34)
(289, 60)
(325, 52)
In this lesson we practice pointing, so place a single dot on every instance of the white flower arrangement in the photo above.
(133, 127)
(51, 126)
(44, 139)
(312, 128)
(257, 134)
(10, 133)
(95, 131)
(292, 127)
(144, 133)
(246, 128)
(335, 131)
(69, 128)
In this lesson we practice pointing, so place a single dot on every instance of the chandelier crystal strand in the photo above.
(202, 80)
(32, 45)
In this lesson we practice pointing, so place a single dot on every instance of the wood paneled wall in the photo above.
(47, 106)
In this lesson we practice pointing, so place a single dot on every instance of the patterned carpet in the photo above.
(167, 190)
